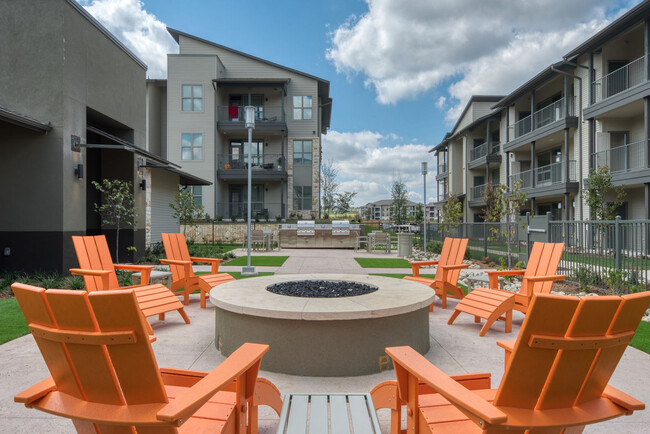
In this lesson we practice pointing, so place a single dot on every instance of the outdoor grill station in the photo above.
(308, 234)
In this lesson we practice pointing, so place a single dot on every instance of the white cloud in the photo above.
(138, 29)
(405, 49)
(368, 162)
(440, 103)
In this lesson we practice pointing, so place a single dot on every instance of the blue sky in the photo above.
(400, 71)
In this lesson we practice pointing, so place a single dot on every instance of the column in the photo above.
(532, 165)
(532, 109)
(590, 80)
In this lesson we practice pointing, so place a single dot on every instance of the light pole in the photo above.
(249, 112)
(425, 169)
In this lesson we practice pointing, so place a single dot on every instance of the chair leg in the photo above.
(184, 315)
(443, 297)
(509, 321)
(453, 317)
(431, 307)
(161, 316)
(202, 299)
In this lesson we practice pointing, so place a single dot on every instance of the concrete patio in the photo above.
(455, 349)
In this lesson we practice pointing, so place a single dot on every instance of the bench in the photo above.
(335, 413)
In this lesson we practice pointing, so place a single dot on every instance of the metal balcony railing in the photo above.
(482, 150)
(544, 116)
(442, 168)
(258, 162)
(259, 209)
(545, 175)
(263, 114)
(477, 192)
(617, 81)
(624, 158)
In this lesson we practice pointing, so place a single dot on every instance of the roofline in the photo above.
(106, 32)
(176, 33)
(476, 98)
(540, 78)
(24, 121)
(622, 23)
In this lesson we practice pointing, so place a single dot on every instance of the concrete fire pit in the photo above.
(343, 336)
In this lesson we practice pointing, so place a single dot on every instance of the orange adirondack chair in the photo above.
(180, 264)
(556, 377)
(445, 282)
(98, 271)
(104, 376)
(493, 304)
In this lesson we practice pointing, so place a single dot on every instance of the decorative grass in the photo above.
(12, 322)
(641, 339)
(259, 261)
(382, 263)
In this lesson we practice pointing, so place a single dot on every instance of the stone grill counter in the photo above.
(322, 238)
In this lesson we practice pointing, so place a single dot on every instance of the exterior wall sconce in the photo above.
(79, 171)
(143, 180)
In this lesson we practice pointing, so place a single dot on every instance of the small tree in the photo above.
(344, 201)
(329, 186)
(597, 186)
(452, 212)
(419, 213)
(503, 204)
(399, 194)
(186, 210)
(117, 208)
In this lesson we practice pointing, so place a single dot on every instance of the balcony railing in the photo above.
(620, 159)
(544, 116)
(258, 162)
(265, 114)
(442, 168)
(259, 210)
(482, 150)
(545, 175)
(477, 192)
(617, 81)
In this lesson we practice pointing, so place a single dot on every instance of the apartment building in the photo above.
(202, 119)
(381, 210)
(589, 109)
(72, 111)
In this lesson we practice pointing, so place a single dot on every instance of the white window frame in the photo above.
(192, 147)
(191, 98)
(300, 107)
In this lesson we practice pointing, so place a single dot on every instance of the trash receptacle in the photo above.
(404, 245)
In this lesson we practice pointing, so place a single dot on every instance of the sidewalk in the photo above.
(455, 349)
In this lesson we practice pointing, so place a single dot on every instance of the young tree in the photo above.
(452, 212)
(186, 210)
(597, 186)
(503, 204)
(117, 208)
(329, 186)
(399, 194)
(419, 213)
(344, 201)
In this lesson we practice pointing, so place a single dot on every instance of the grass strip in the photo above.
(259, 261)
(641, 339)
(12, 322)
(382, 263)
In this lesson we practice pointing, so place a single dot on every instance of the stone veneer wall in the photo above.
(315, 186)
(231, 233)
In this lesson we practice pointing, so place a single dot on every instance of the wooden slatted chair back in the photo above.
(95, 347)
(176, 249)
(543, 261)
(567, 349)
(453, 252)
(93, 254)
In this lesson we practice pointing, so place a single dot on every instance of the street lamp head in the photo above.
(249, 116)
(425, 167)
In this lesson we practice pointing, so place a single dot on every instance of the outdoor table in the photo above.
(328, 413)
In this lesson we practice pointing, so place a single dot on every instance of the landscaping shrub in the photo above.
(615, 280)
(435, 247)
(585, 277)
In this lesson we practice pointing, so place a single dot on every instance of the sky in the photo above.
(400, 71)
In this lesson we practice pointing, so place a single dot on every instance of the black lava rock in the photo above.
(321, 288)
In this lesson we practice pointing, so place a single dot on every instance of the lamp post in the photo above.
(425, 169)
(249, 112)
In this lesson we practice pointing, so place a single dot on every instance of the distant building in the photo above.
(381, 210)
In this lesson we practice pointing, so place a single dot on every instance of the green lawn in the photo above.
(12, 322)
(641, 339)
(259, 261)
(382, 263)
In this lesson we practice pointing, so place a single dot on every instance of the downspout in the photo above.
(580, 180)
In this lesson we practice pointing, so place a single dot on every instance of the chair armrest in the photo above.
(552, 278)
(476, 408)
(508, 346)
(493, 276)
(453, 267)
(415, 266)
(213, 261)
(37, 391)
(187, 267)
(246, 357)
(145, 271)
(104, 274)
(623, 399)
(174, 262)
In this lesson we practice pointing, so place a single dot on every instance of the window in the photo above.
(197, 193)
(191, 146)
(302, 152)
(192, 97)
(301, 107)
(302, 198)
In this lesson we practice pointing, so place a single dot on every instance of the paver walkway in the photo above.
(455, 349)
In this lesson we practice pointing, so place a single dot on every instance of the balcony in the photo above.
(547, 180)
(626, 163)
(618, 81)
(264, 167)
(484, 154)
(259, 210)
(477, 193)
(267, 118)
(443, 171)
(443, 197)
(545, 121)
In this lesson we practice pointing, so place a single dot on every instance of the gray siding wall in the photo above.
(164, 184)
